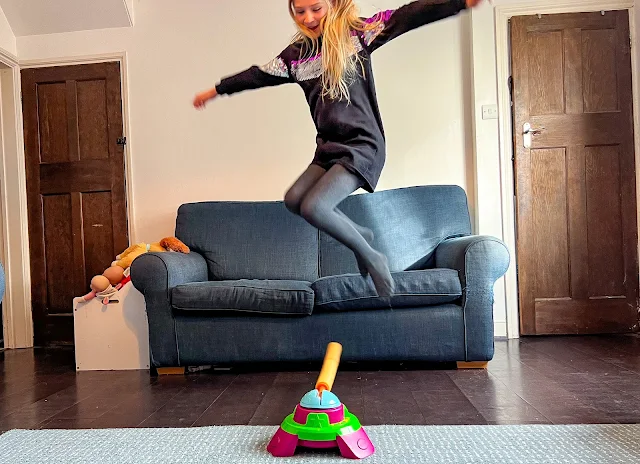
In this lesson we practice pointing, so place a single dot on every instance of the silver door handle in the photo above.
(535, 131)
(528, 132)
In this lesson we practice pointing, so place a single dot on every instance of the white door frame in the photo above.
(503, 52)
(17, 313)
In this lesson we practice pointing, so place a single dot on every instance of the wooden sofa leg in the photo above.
(170, 370)
(473, 365)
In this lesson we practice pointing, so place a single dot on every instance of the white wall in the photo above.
(253, 145)
(7, 38)
(425, 97)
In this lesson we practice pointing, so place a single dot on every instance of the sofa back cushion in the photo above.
(250, 240)
(408, 224)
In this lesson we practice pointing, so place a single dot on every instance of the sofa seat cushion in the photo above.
(288, 297)
(413, 288)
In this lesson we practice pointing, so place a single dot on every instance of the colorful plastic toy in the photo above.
(321, 420)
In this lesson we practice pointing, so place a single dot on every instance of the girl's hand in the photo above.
(202, 98)
(472, 3)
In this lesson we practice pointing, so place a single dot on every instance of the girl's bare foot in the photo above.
(378, 267)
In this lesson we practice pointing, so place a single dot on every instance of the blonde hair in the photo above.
(340, 58)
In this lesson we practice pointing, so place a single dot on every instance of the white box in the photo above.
(114, 336)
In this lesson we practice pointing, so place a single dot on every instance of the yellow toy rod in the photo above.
(329, 367)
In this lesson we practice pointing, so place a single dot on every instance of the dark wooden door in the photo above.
(575, 173)
(75, 186)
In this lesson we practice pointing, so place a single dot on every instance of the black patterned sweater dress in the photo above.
(348, 133)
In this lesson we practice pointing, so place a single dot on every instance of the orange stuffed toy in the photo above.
(107, 284)
(169, 244)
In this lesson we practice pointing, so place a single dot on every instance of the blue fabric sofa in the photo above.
(262, 285)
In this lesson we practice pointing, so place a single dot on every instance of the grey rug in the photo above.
(394, 444)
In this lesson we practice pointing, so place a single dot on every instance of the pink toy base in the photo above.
(356, 445)
(283, 444)
(318, 444)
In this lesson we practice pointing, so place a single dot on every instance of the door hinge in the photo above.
(510, 85)
(122, 141)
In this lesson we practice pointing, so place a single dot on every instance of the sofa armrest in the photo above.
(154, 275)
(480, 261)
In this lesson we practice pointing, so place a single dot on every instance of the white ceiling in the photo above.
(35, 17)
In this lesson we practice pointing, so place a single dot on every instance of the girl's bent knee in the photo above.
(292, 202)
(312, 209)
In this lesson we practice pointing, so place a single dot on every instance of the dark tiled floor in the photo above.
(534, 380)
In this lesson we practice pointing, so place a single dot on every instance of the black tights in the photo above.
(316, 195)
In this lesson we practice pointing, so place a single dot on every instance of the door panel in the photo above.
(75, 186)
(575, 173)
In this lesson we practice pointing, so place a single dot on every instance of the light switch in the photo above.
(489, 111)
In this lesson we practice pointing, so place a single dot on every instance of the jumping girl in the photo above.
(330, 58)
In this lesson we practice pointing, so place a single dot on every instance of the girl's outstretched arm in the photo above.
(275, 72)
(411, 16)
